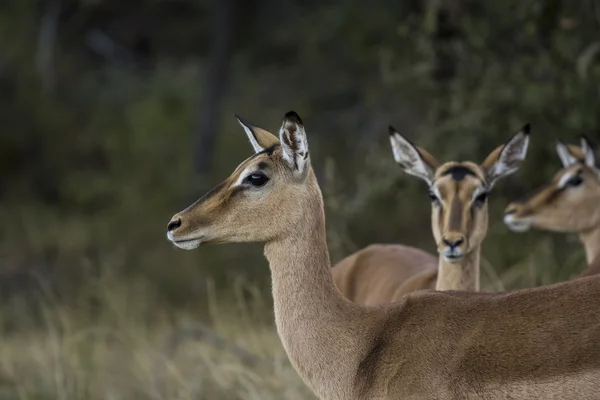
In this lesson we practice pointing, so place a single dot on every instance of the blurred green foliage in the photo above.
(96, 155)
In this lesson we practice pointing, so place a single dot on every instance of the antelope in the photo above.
(569, 203)
(381, 274)
(537, 343)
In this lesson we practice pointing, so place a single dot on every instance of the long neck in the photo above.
(320, 330)
(462, 275)
(591, 242)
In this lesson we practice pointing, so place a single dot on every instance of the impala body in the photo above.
(540, 343)
(383, 273)
(570, 203)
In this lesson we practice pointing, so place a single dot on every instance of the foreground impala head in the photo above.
(458, 190)
(570, 203)
(260, 200)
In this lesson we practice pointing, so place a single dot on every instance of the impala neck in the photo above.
(462, 275)
(591, 242)
(320, 330)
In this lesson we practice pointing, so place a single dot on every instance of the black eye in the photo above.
(433, 197)
(256, 179)
(575, 181)
(481, 198)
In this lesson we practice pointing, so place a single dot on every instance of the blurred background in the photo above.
(117, 114)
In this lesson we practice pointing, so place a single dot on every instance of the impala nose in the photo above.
(511, 209)
(452, 246)
(517, 217)
(174, 224)
(454, 242)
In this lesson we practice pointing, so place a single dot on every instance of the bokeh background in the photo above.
(117, 114)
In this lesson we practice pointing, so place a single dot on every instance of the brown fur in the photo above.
(566, 209)
(383, 273)
(540, 343)
(592, 269)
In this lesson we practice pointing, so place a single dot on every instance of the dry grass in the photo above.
(117, 354)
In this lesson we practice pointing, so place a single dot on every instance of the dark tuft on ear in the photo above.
(391, 130)
(243, 120)
(526, 129)
(293, 117)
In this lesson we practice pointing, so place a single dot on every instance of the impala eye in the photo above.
(433, 197)
(257, 179)
(575, 181)
(481, 198)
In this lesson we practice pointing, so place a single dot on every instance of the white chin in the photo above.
(515, 225)
(452, 258)
(188, 244)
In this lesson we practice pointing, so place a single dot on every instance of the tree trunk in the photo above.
(216, 81)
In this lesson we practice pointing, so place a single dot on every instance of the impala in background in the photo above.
(380, 274)
(570, 203)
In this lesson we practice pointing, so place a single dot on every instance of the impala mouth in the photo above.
(452, 254)
(515, 224)
(451, 258)
(185, 244)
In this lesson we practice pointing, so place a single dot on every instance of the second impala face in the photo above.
(459, 190)
(569, 203)
(459, 209)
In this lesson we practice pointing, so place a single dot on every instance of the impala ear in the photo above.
(589, 152)
(567, 158)
(260, 139)
(506, 159)
(412, 159)
(294, 144)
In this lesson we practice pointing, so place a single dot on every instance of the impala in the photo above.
(381, 274)
(569, 203)
(539, 343)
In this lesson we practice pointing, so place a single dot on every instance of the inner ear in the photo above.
(294, 143)
(565, 155)
(259, 138)
(506, 159)
(589, 152)
(412, 159)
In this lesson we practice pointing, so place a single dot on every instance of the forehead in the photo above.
(576, 152)
(570, 171)
(565, 174)
(467, 173)
(261, 160)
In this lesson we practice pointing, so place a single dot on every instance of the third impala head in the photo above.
(570, 202)
(459, 190)
(263, 199)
